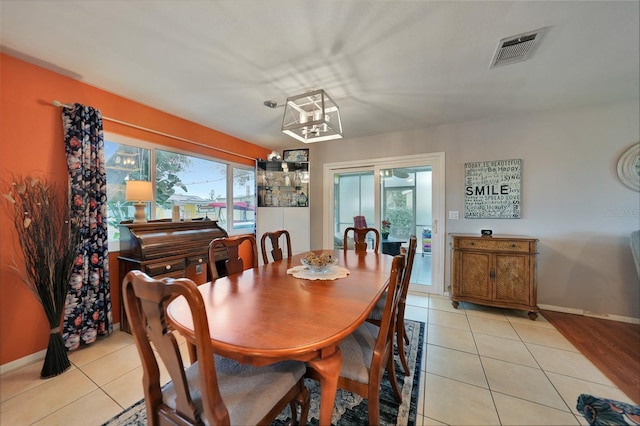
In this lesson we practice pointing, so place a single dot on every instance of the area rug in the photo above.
(350, 409)
(607, 412)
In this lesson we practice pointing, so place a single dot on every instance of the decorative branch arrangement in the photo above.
(48, 241)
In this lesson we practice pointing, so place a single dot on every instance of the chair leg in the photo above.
(401, 336)
(373, 401)
(293, 406)
(303, 399)
(393, 379)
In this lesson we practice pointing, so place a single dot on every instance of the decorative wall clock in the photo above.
(629, 167)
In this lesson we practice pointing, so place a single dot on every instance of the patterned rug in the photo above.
(350, 409)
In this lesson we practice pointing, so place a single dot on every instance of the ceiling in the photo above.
(389, 65)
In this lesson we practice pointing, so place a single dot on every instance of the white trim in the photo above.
(582, 312)
(21, 362)
(435, 160)
(34, 357)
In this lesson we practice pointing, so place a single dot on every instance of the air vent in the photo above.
(517, 48)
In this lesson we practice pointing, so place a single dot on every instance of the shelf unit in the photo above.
(283, 201)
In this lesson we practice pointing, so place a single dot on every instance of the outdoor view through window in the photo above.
(200, 187)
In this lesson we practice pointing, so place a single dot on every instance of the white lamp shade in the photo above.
(139, 190)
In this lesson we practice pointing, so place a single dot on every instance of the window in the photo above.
(200, 186)
(193, 184)
(124, 162)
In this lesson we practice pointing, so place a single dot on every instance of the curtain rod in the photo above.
(146, 129)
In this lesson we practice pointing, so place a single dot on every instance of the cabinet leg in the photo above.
(533, 316)
(455, 303)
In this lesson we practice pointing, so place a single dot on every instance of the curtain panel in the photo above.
(88, 305)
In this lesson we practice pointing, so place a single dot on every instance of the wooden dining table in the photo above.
(265, 315)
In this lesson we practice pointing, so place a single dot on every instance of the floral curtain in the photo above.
(88, 305)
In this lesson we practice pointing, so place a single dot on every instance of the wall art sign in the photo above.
(493, 189)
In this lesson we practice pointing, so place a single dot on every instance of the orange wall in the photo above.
(31, 142)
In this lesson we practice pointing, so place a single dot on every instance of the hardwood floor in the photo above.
(612, 346)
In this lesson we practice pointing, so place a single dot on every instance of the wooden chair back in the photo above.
(380, 351)
(401, 336)
(276, 250)
(359, 239)
(145, 301)
(194, 396)
(384, 342)
(234, 264)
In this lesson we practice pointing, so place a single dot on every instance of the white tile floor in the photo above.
(481, 366)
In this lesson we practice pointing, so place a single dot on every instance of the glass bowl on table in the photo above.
(318, 263)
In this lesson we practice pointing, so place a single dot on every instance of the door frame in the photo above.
(437, 163)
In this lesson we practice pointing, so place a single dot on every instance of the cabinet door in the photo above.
(474, 278)
(296, 221)
(293, 219)
(512, 278)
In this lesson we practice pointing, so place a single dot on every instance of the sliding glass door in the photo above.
(353, 197)
(406, 206)
(407, 194)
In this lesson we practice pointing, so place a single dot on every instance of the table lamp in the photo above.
(140, 192)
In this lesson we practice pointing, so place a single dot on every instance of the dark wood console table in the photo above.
(391, 245)
(161, 248)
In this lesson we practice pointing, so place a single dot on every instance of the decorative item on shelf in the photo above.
(175, 213)
(385, 229)
(312, 117)
(274, 156)
(302, 200)
(49, 240)
(295, 155)
(268, 197)
(297, 179)
(286, 180)
(140, 192)
(486, 232)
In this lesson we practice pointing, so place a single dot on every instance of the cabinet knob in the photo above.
(167, 267)
(200, 260)
(472, 243)
(513, 246)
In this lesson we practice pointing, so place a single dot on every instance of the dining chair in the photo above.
(233, 264)
(375, 316)
(213, 390)
(359, 239)
(276, 250)
(369, 350)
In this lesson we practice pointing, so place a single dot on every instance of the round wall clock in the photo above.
(629, 167)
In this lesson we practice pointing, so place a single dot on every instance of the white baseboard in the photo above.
(21, 362)
(29, 359)
(629, 320)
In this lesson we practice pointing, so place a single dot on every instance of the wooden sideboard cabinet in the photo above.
(497, 270)
(161, 248)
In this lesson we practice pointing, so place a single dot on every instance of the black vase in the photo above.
(56, 360)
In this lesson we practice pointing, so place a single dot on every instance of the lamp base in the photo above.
(139, 216)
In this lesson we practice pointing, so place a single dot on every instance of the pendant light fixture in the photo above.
(312, 117)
